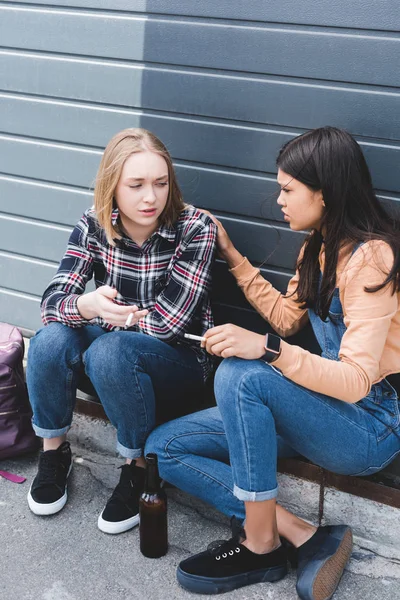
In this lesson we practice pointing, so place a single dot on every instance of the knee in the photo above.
(52, 344)
(229, 375)
(108, 353)
(235, 374)
(169, 440)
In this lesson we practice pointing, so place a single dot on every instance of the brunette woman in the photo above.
(338, 409)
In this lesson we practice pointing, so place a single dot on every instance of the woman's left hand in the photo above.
(231, 340)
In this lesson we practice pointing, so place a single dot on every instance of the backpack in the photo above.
(16, 433)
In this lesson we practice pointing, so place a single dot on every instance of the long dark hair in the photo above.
(330, 160)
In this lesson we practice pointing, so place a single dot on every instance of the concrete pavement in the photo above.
(65, 557)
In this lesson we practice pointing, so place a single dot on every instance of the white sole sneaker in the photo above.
(118, 526)
(43, 509)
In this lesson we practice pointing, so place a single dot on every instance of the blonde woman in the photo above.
(151, 258)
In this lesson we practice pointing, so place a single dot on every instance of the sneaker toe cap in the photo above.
(46, 495)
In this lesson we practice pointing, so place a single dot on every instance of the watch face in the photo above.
(274, 343)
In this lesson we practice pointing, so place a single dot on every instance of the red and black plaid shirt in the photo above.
(170, 275)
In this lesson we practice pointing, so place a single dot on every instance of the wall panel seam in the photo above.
(179, 117)
(307, 29)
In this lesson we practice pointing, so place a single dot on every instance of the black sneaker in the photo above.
(228, 565)
(321, 561)
(48, 493)
(122, 510)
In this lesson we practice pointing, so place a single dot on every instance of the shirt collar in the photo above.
(164, 231)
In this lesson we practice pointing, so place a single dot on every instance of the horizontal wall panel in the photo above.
(367, 14)
(363, 111)
(252, 148)
(225, 286)
(34, 239)
(247, 195)
(26, 275)
(277, 246)
(283, 50)
(51, 162)
(20, 309)
(43, 201)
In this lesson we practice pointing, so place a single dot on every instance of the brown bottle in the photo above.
(153, 513)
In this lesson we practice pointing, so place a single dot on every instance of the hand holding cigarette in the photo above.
(136, 314)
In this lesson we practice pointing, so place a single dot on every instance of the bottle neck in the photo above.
(152, 484)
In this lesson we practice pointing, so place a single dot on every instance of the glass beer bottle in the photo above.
(153, 513)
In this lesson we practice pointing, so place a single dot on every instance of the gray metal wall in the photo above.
(223, 84)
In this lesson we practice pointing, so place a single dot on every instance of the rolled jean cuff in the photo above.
(254, 496)
(49, 433)
(128, 452)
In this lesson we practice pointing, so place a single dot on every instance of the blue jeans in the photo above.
(228, 454)
(132, 373)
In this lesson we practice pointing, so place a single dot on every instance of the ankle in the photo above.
(301, 535)
(261, 546)
(53, 443)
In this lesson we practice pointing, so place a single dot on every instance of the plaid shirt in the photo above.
(170, 275)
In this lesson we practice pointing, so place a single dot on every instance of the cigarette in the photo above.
(129, 320)
(198, 338)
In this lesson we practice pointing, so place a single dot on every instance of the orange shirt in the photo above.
(370, 347)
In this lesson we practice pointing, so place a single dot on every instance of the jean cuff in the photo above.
(49, 433)
(128, 452)
(254, 496)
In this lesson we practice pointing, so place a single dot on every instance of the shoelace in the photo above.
(221, 549)
(224, 548)
(48, 469)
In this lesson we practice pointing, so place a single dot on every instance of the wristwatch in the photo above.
(272, 347)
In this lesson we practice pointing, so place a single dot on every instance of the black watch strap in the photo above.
(272, 348)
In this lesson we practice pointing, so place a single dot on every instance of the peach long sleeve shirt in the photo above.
(370, 347)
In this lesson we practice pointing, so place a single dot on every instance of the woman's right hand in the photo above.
(226, 249)
(100, 303)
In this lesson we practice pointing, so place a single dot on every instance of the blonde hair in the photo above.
(119, 148)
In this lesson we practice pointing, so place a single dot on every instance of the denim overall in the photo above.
(382, 401)
(227, 455)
